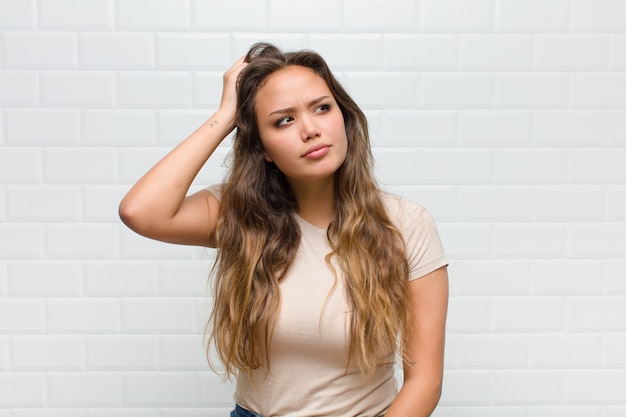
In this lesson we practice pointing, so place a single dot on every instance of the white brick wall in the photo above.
(506, 118)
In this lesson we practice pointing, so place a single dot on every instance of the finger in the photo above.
(236, 68)
(239, 63)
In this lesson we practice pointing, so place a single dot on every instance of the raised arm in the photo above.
(158, 207)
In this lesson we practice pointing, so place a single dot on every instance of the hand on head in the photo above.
(229, 91)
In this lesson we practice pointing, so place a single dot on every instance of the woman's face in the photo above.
(301, 125)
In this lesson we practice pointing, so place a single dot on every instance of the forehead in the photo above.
(291, 83)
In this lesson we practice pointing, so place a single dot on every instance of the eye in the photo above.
(323, 108)
(283, 121)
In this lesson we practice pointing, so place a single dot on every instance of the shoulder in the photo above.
(404, 212)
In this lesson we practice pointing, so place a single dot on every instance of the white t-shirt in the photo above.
(309, 351)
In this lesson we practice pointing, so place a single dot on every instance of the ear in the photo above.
(267, 157)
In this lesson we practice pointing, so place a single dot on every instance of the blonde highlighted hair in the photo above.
(257, 236)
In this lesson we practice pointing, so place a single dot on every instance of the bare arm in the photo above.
(158, 207)
(421, 390)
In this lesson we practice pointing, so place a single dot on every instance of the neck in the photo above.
(316, 201)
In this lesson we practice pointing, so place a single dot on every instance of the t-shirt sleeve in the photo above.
(423, 245)
(216, 190)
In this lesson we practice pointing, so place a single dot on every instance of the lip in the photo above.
(316, 151)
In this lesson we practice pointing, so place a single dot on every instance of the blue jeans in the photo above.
(242, 412)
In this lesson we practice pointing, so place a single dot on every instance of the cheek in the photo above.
(341, 129)
(264, 145)
(271, 147)
(339, 124)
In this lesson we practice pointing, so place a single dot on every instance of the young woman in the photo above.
(321, 278)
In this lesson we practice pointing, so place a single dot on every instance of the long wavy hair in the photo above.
(257, 236)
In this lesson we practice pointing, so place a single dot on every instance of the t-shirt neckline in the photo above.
(321, 231)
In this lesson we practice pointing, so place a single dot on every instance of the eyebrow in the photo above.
(291, 109)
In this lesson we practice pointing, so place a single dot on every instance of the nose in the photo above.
(309, 129)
